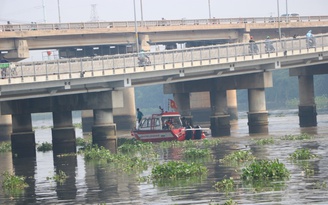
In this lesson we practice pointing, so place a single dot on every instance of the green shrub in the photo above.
(177, 169)
(265, 170)
(44, 147)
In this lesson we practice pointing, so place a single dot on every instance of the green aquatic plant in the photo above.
(302, 154)
(60, 177)
(303, 136)
(78, 125)
(194, 153)
(264, 141)
(13, 184)
(238, 156)
(5, 147)
(44, 147)
(83, 142)
(225, 185)
(265, 170)
(177, 169)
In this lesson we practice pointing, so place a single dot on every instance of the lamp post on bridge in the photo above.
(58, 4)
(135, 26)
(279, 28)
(209, 9)
(141, 11)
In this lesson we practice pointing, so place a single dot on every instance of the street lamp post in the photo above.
(141, 12)
(287, 11)
(58, 3)
(209, 9)
(135, 26)
(279, 28)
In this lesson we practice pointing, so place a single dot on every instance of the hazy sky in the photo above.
(26, 11)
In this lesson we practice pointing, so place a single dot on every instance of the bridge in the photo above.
(96, 83)
(81, 39)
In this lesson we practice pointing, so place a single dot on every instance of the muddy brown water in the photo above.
(91, 183)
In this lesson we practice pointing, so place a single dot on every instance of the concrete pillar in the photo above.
(257, 115)
(125, 116)
(307, 111)
(63, 132)
(5, 127)
(87, 120)
(22, 137)
(104, 129)
(183, 102)
(144, 39)
(232, 105)
(220, 120)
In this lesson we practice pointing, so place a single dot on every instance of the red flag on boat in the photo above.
(173, 105)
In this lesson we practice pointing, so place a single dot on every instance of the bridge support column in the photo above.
(23, 137)
(104, 129)
(307, 108)
(87, 120)
(257, 115)
(220, 120)
(5, 127)
(232, 105)
(144, 42)
(63, 133)
(183, 102)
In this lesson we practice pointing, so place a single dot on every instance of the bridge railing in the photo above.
(163, 22)
(169, 59)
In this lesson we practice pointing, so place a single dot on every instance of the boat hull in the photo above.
(154, 135)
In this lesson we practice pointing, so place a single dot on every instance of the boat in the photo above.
(166, 126)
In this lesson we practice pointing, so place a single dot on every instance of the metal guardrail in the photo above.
(156, 23)
(171, 59)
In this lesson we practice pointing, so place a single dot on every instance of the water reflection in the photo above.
(95, 183)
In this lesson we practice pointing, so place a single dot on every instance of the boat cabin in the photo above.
(164, 121)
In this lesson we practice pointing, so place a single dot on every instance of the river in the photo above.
(91, 183)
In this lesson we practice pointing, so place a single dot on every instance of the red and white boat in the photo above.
(166, 126)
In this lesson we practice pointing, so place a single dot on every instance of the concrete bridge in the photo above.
(99, 83)
(105, 38)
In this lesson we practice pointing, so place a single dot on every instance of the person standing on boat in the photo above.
(139, 116)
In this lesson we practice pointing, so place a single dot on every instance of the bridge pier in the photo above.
(63, 132)
(183, 102)
(257, 115)
(307, 108)
(124, 118)
(104, 129)
(5, 127)
(23, 137)
(232, 105)
(220, 120)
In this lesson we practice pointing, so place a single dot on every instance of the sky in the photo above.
(26, 11)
